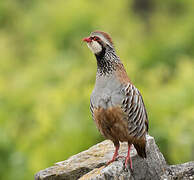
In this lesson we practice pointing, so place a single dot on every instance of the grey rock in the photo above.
(150, 168)
(91, 165)
(179, 172)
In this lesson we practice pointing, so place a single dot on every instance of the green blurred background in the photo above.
(47, 75)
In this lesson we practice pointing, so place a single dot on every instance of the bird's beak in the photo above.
(87, 39)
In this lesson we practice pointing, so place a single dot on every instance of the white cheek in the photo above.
(95, 47)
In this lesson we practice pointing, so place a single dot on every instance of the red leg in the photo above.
(115, 154)
(128, 157)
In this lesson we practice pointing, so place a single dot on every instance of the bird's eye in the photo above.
(95, 38)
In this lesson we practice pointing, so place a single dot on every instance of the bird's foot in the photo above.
(114, 159)
(115, 156)
(111, 161)
(128, 159)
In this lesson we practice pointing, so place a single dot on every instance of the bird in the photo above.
(116, 105)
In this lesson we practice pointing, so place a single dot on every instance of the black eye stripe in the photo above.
(95, 38)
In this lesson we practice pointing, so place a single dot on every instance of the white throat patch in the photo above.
(95, 47)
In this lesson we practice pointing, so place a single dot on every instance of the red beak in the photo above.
(87, 39)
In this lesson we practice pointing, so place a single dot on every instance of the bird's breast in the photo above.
(107, 94)
(101, 98)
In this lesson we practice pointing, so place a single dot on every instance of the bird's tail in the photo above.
(140, 147)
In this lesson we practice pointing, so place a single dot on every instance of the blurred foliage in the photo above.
(47, 75)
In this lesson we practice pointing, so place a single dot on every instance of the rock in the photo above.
(181, 171)
(90, 164)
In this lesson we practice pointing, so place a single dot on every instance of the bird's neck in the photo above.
(107, 60)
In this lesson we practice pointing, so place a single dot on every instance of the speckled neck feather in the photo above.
(106, 61)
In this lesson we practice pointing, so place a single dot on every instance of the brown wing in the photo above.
(134, 106)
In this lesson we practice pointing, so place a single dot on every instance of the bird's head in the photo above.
(99, 41)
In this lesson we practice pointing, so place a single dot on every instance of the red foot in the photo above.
(128, 158)
(114, 156)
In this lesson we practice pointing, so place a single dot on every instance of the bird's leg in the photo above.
(117, 145)
(128, 157)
